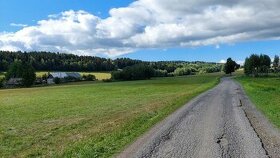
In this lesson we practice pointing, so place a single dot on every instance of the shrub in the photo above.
(170, 74)
(160, 73)
(38, 80)
(116, 75)
(57, 80)
(135, 72)
(2, 82)
(107, 80)
(89, 77)
(182, 71)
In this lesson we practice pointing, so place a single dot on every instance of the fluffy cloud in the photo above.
(150, 24)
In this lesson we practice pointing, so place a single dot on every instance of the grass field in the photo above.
(89, 120)
(98, 75)
(265, 93)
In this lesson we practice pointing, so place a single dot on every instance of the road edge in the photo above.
(266, 131)
(132, 148)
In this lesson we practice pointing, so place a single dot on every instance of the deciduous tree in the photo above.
(230, 66)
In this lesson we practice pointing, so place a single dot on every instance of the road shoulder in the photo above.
(268, 133)
(132, 149)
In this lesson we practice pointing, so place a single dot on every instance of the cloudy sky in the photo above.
(209, 30)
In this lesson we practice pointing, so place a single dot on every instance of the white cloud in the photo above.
(222, 61)
(151, 24)
(18, 25)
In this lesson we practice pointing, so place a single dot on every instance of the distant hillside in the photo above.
(48, 61)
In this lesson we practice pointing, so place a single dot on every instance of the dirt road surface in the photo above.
(221, 122)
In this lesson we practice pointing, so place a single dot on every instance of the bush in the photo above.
(89, 77)
(107, 80)
(38, 80)
(182, 71)
(160, 73)
(57, 80)
(135, 72)
(116, 75)
(170, 74)
(212, 69)
(2, 82)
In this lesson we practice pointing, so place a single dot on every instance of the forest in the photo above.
(48, 61)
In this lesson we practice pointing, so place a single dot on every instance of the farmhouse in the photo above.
(70, 76)
(75, 75)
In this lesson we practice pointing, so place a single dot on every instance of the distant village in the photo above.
(53, 78)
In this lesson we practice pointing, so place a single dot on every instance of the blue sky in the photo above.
(31, 11)
(237, 51)
(14, 14)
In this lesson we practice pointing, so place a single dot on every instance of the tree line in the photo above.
(15, 63)
(255, 65)
(47, 61)
(259, 65)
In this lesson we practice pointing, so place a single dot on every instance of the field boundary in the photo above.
(132, 147)
(268, 133)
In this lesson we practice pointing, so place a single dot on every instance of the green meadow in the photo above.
(89, 120)
(265, 94)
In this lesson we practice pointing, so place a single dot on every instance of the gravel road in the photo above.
(214, 124)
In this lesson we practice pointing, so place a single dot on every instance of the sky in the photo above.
(150, 30)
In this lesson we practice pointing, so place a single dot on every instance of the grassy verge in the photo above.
(264, 92)
(89, 120)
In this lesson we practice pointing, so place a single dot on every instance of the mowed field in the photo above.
(89, 120)
(265, 94)
(98, 75)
